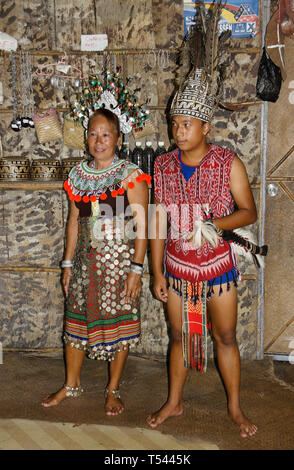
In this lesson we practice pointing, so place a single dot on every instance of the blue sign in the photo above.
(241, 17)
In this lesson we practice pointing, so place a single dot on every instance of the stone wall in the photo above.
(33, 221)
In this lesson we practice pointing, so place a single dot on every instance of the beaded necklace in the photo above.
(85, 181)
(89, 183)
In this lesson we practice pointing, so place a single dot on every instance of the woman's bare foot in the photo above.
(113, 404)
(55, 398)
(245, 426)
(167, 411)
(65, 392)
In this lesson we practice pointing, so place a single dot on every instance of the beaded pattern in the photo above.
(97, 318)
(84, 181)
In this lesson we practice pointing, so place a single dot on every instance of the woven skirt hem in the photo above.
(105, 353)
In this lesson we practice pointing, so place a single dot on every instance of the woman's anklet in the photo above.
(73, 391)
(115, 393)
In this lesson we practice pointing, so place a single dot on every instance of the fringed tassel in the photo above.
(194, 331)
(194, 298)
(194, 352)
(228, 283)
(177, 285)
(220, 289)
(210, 289)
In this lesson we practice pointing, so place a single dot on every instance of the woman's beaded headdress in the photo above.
(200, 73)
(110, 92)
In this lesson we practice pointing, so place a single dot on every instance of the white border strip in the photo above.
(263, 141)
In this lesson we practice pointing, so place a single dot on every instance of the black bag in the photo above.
(269, 79)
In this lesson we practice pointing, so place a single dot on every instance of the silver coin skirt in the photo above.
(98, 320)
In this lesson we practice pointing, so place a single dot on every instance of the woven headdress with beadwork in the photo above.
(200, 73)
(110, 92)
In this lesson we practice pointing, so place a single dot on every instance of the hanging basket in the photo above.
(47, 126)
(46, 169)
(14, 169)
(73, 134)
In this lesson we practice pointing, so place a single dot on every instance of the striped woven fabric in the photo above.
(195, 325)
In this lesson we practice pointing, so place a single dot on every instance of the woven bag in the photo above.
(47, 126)
(73, 134)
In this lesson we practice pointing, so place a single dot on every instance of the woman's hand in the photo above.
(65, 279)
(133, 286)
(160, 287)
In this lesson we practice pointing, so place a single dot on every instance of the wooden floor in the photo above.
(267, 396)
(20, 434)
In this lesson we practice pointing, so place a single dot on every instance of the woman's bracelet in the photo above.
(137, 264)
(67, 263)
(137, 268)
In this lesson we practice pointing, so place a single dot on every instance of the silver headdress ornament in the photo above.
(110, 93)
(200, 73)
(108, 101)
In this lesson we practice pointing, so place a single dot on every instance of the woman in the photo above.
(103, 283)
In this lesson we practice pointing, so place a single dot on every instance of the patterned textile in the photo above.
(97, 318)
(84, 180)
(196, 99)
(195, 325)
(207, 191)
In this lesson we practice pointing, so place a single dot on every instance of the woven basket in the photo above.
(46, 169)
(47, 126)
(68, 164)
(73, 134)
(14, 169)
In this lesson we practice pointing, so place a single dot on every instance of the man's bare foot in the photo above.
(113, 404)
(55, 398)
(167, 411)
(245, 426)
